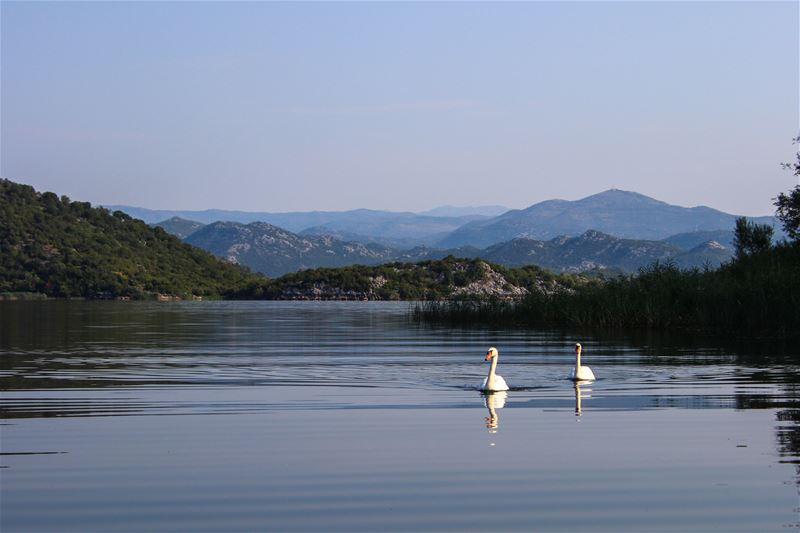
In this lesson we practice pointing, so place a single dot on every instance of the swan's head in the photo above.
(492, 352)
(578, 348)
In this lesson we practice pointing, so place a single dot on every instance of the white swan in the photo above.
(580, 373)
(493, 382)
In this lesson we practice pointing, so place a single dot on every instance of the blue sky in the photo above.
(401, 106)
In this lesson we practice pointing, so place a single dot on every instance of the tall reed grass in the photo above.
(755, 295)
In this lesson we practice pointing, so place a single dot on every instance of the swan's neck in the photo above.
(490, 377)
(577, 362)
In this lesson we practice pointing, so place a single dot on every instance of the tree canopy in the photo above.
(57, 247)
(788, 205)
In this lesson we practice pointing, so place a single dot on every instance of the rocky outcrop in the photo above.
(491, 284)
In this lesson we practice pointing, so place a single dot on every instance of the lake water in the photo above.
(244, 416)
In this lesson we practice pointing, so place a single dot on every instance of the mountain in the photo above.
(343, 235)
(293, 221)
(180, 227)
(404, 230)
(615, 212)
(453, 211)
(711, 253)
(594, 250)
(424, 253)
(687, 241)
(276, 251)
(623, 214)
(57, 247)
(401, 229)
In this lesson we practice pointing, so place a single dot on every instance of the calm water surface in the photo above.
(234, 416)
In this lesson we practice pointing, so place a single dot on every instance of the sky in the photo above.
(269, 106)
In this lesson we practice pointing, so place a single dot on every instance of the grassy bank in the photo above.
(757, 295)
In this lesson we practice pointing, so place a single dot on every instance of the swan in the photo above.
(580, 373)
(493, 382)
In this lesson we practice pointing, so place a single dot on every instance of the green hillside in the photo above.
(60, 248)
(427, 280)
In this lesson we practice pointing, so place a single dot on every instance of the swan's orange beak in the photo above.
(488, 356)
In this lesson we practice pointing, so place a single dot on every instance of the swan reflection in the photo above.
(493, 401)
(579, 394)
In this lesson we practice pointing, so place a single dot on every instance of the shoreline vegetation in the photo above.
(755, 295)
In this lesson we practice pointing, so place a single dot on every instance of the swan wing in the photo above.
(584, 374)
(500, 383)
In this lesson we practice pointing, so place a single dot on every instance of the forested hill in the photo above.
(57, 247)
(448, 278)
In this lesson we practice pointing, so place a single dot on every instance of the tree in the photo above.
(788, 205)
(750, 238)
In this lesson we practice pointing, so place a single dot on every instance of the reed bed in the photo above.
(755, 295)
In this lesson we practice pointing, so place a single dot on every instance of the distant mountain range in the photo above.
(399, 229)
(623, 214)
(275, 251)
(402, 230)
(614, 230)
(453, 211)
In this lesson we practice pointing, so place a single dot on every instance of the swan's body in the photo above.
(497, 385)
(493, 382)
(580, 373)
(583, 373)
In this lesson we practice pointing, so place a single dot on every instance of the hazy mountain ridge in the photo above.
(456, 211)
(696, 238)
(623, 214)
(594, 250)
(401, 229)
(369, 237)
(180, 227)
(275, 251)
(398, 229)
